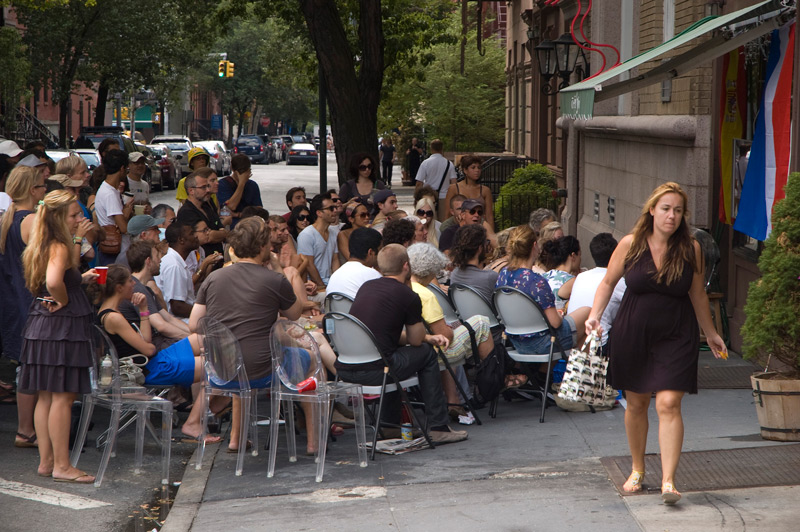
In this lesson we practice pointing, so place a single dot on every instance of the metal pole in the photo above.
(323, 134)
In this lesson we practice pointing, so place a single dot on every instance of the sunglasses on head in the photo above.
(423, 212)
(302, 217)
(363, 167)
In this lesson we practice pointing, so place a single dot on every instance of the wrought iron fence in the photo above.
(496, 171)
(514, 209)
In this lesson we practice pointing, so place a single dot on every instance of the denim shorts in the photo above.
(296, 360)
(567, 335)
(173, 365)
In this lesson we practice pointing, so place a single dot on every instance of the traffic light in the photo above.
(223, 68)
(229, 70)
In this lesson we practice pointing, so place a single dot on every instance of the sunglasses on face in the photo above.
(302, 217)
(363, 215)
(477, 211)
(423, 212)
(336, 200)
(364, 167)
(329, 208)
(203, 231)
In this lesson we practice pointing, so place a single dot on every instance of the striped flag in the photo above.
(768, 166)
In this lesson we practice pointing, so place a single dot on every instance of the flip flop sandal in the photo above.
(25, 441)
(247, 448)
(669, 494)
(635, 482)
(75, 480)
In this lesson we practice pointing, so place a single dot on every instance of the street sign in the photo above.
(216, 121)
(265, 121)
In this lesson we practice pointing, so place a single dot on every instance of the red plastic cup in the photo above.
(102, 272)
(308, 385)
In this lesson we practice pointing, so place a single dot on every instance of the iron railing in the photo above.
(514, 209)
(496, 171)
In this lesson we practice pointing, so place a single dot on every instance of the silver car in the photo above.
(220, 159)
(179, 146)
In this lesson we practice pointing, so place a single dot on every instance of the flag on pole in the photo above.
(768, 167)
(731, 116)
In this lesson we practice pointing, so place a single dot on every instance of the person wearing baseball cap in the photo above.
(137, 165)
(471, 212)
(34, 161)
(198, 158)
(141, 227)
(10, 149)
(386, 201)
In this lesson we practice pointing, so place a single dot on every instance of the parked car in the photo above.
(280, 148)
(57, 155)
(252, 146)
(269, 148)
(220, 159)
(302, 153)
(288, 140)
(90, 157)
(167, 164)
(179, 146)
(153, 172)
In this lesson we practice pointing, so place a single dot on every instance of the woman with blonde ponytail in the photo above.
(26, 187)
(56, 351)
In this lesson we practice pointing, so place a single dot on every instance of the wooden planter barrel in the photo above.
(778, 406)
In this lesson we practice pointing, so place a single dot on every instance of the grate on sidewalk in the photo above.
(777, 465)
(724, 377)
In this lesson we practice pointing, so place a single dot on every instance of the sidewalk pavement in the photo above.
(512, 474)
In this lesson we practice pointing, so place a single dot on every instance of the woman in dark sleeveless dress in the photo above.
(56, 350)
(655, 341)
(26, 187)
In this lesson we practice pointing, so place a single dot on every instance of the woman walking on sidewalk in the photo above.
(56, 351)
(655, 341)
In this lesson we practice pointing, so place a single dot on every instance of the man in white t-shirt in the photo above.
(364, 245)
(137, 165)
(437, 172)
(585, 286)
(108, 205)
(317, 242)
(175, 279)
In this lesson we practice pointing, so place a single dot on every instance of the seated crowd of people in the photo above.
(224, 256)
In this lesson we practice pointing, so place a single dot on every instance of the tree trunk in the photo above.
(102, 101)
(352, 98)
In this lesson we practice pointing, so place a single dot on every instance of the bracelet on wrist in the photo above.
(144, 314)
(77, 239)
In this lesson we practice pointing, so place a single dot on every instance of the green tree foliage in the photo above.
(772, 326)
(14, 81)
(268, 78)
(529, 188)
(465, 111)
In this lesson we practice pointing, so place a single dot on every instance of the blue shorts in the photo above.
(263, 382)
(173, 365)
(566, 334)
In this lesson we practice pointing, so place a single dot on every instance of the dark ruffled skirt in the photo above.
(56, 353)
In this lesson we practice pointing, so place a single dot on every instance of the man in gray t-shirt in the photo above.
(317, 242)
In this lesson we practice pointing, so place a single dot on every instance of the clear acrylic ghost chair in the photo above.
(226, 375)
(120, 398)
(297, 366)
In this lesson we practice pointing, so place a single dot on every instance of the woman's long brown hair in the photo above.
(680, 246)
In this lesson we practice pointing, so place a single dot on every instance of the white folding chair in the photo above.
(355, 344)
(520, 314)
(337, 302)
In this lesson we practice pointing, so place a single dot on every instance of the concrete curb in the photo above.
(190, 493)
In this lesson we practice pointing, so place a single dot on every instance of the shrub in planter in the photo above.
(772, 326)
(529, 188)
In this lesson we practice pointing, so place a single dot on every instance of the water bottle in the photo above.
(224, 211)
(106, 371)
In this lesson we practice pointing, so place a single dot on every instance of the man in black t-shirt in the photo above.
(197, 208)
(385, 306)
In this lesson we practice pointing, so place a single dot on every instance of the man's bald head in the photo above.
(391, 259)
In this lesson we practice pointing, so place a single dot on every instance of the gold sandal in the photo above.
(669, 494)
(635, 481)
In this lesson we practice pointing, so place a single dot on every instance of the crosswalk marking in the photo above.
(48, 496)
